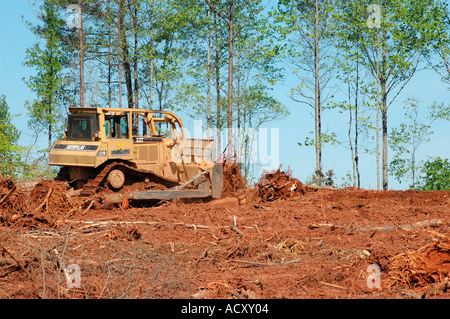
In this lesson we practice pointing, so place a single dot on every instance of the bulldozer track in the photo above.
(93, 185)
(63, 174)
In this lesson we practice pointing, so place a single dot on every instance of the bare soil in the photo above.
(281, 239)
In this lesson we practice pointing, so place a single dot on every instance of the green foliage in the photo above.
(47, 59)
(436, 175)
(319, 178)
(168, 39)
(439, 55)
(394, 48)
(440, 111)
(11, 153)
(405, 141)
(295, 27)
(325, 139)
(408, 31)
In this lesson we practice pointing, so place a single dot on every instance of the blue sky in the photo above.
(426, 86)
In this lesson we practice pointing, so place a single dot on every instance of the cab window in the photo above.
(116, 126)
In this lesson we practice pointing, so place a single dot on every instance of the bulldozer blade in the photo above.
(217, 181)
(155, 195)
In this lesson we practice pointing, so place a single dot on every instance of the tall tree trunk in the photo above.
(317, 107)
(208, 85)
(384, 130)
(152, 70)
(217, 80)
(119, 60)
(152, 67)
(377, 153)
(127, 67)
(356, 159)
(230, 80)
(350, 124)
(126, 57)
(109, 69)
(136, 56)
(81, 56)
(49, 168)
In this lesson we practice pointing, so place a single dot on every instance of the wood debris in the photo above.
(279, 185)
(427, 265)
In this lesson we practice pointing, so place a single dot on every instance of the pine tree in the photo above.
(10, 151)
(47, 58)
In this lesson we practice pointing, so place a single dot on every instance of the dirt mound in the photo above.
(279, 185)
(233, 181)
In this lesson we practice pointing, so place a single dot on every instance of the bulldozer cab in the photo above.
(82, 127)
(93, 124)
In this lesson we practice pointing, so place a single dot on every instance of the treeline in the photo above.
(219, 60)
(210, 57)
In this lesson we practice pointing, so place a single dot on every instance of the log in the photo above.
(193, 179)
(422, 224)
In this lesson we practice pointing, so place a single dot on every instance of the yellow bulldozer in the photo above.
(110, 148)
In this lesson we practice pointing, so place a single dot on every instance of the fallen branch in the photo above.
(255, 263)
(18, 262)
(204, 254)
(44, 202)
(105, 224)
(422, 224)
(332, 285)
(316, 187)
(61, 265)
(195, 227)
(41, 233)
(7, 195)
(237, 230)
(89, 207)
(73, 210)
(332, 226)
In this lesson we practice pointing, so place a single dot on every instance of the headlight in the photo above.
(101, 153)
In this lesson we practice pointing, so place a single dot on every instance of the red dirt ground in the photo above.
(315, 243)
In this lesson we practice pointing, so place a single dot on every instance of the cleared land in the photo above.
(280, 239)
